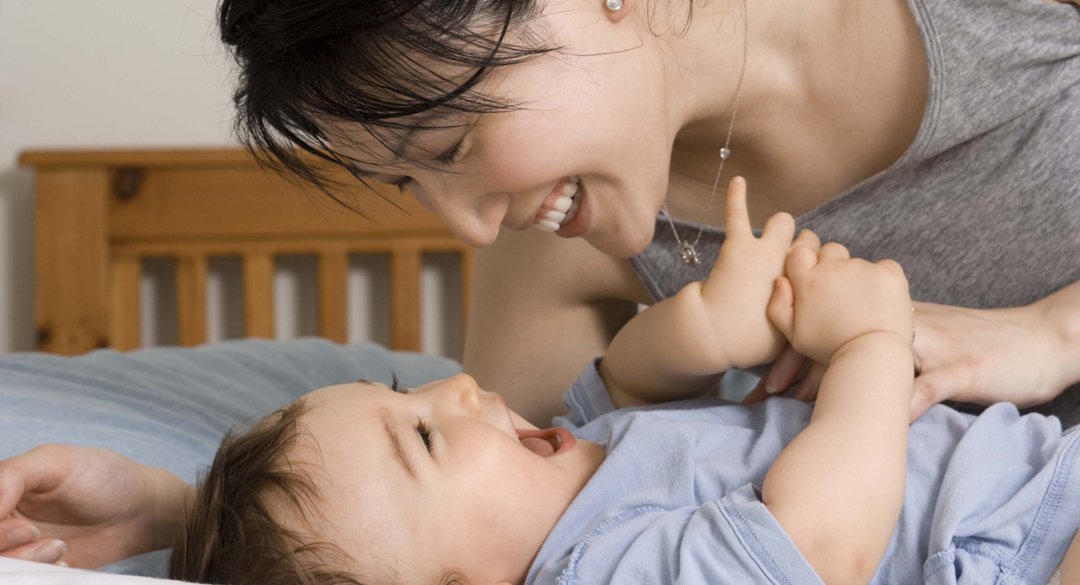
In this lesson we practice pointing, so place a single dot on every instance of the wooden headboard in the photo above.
(100, 213)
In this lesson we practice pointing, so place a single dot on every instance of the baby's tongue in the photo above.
(538, 446)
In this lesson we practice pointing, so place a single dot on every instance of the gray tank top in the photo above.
(983, 209)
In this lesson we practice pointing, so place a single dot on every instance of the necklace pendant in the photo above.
(689, 254)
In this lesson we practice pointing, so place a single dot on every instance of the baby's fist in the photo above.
(827, 299)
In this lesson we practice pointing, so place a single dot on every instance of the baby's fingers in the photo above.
(738, 219)
(780, 227)
(833, 251)
(807, 239)
(781, 309)
(799, 261)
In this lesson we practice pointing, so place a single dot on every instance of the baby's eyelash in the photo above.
(425, 435)
(396, 386)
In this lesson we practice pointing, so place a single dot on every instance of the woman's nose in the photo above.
(459, 211)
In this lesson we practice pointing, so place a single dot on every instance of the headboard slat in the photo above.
(191, 299)
(125, 311)
(405, 266)
(259, 295)
(333, 285)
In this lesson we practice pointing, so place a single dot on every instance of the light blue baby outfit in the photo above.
(991, 499)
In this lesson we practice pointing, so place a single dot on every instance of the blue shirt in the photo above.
(989, 498)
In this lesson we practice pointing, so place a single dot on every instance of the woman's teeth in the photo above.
(562, 210)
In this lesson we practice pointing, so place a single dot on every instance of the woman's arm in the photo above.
(838, 487)
(542, 307)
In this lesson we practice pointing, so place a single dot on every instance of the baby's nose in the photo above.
(468, 392)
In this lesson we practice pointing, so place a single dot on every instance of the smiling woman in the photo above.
(486, 110)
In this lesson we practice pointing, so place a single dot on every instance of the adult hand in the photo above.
(987, 356)
(1024, 355)
(85, 506)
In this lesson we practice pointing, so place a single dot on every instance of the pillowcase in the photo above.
(170, 406)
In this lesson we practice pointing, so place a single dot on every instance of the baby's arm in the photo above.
(837, 489)
(679, 347)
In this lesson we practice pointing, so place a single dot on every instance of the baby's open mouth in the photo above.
(546, 442)
(561, 206)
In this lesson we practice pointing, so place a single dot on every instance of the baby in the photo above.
(364, 483)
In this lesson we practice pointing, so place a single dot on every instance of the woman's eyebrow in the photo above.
(396, 442)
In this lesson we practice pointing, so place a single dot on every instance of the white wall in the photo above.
(77, 73)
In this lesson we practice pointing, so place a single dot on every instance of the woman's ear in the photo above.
(616, 10)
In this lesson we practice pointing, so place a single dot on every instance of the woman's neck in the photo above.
(833, 92)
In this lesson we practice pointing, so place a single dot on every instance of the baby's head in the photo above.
(361, 483)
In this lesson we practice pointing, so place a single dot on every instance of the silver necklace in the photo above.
(687, 249)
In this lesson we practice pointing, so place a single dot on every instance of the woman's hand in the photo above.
(1024, 355)
(85, 506)
(986, 356)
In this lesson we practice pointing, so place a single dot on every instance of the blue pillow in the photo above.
(170, 407)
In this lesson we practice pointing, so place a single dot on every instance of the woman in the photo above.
(930, 133)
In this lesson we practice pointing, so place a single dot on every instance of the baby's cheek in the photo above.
(520, 422)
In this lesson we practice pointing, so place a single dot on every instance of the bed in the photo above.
(103, 216)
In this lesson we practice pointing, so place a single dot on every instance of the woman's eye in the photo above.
(425, 435)
(449, 157)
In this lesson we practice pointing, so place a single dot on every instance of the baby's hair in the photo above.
(231, 534)
(377, 64)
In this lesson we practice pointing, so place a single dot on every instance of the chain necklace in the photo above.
(688, 249)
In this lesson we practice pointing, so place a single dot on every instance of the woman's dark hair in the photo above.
(306, 65)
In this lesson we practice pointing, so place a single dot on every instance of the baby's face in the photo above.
(417, 483)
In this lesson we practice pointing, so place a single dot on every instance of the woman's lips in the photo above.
(547, 442)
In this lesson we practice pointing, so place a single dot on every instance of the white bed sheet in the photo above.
(14, 572)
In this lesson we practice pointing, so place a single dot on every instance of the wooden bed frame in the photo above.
(100, 213)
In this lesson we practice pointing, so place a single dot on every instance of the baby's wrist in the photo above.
(881, 338)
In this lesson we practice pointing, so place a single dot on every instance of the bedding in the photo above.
(170, 407)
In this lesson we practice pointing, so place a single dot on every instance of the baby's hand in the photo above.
(827, 299)
(740, 284)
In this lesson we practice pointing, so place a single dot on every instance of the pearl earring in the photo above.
(613, 5)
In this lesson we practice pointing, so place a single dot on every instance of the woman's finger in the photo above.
(16, 532)
(808, 387)
(784, 371)
(44, 551)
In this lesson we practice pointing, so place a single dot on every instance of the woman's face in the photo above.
(595, 114)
